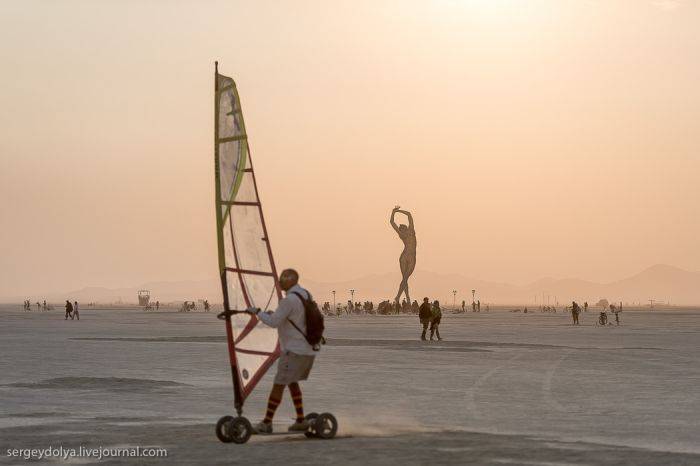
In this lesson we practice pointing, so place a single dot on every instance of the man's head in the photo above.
(403, 227)
(425, 300)
(288, 278)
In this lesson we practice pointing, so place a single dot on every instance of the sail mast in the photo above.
(237, 395)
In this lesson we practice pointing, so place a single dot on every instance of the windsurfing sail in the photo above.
(246, 265)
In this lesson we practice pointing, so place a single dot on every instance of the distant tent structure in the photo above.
(604, 303)
(144, 297)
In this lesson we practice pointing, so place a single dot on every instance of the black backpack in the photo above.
(314, 322)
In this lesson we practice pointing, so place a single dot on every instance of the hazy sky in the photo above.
(529, 138)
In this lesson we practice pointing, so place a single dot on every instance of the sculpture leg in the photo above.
(407, 262)
(403, 288)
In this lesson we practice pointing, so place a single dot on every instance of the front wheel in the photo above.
(311, 418)
(222, 429)
(326, 426)
(233, 429)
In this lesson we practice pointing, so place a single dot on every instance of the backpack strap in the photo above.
(303, 303)
(303, 300)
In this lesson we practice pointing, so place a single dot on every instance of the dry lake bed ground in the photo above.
(503, 388)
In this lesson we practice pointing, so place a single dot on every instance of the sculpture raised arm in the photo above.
(407, 214)
(391, 219)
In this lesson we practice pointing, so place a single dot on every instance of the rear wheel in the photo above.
(326, 426)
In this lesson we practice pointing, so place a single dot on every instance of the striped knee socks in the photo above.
(272, 405)
(298, 403)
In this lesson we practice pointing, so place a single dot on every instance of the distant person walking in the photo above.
(425, 314)
(616, 313)
(435, 317)
(76, 314)
(69, 310)
(575, 310)
(44, 304)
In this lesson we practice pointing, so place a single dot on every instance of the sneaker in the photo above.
(262, 428)
(299, 426)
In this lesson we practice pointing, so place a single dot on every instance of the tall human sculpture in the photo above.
(407, 260)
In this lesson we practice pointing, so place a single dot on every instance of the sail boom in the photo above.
(250, 272)
(242, 203)
(240, 137)
(260, 353)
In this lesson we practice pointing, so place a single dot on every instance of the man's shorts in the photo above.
(292, 367)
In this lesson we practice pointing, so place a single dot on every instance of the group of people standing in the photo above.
(430, 316)
(39, 306)
(72, 310)
(386, 307)
(602, 318)
(476, 306)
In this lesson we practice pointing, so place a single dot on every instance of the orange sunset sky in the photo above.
(529, 138)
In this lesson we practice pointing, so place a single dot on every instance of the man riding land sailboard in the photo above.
(251, 289)
(297, 356)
